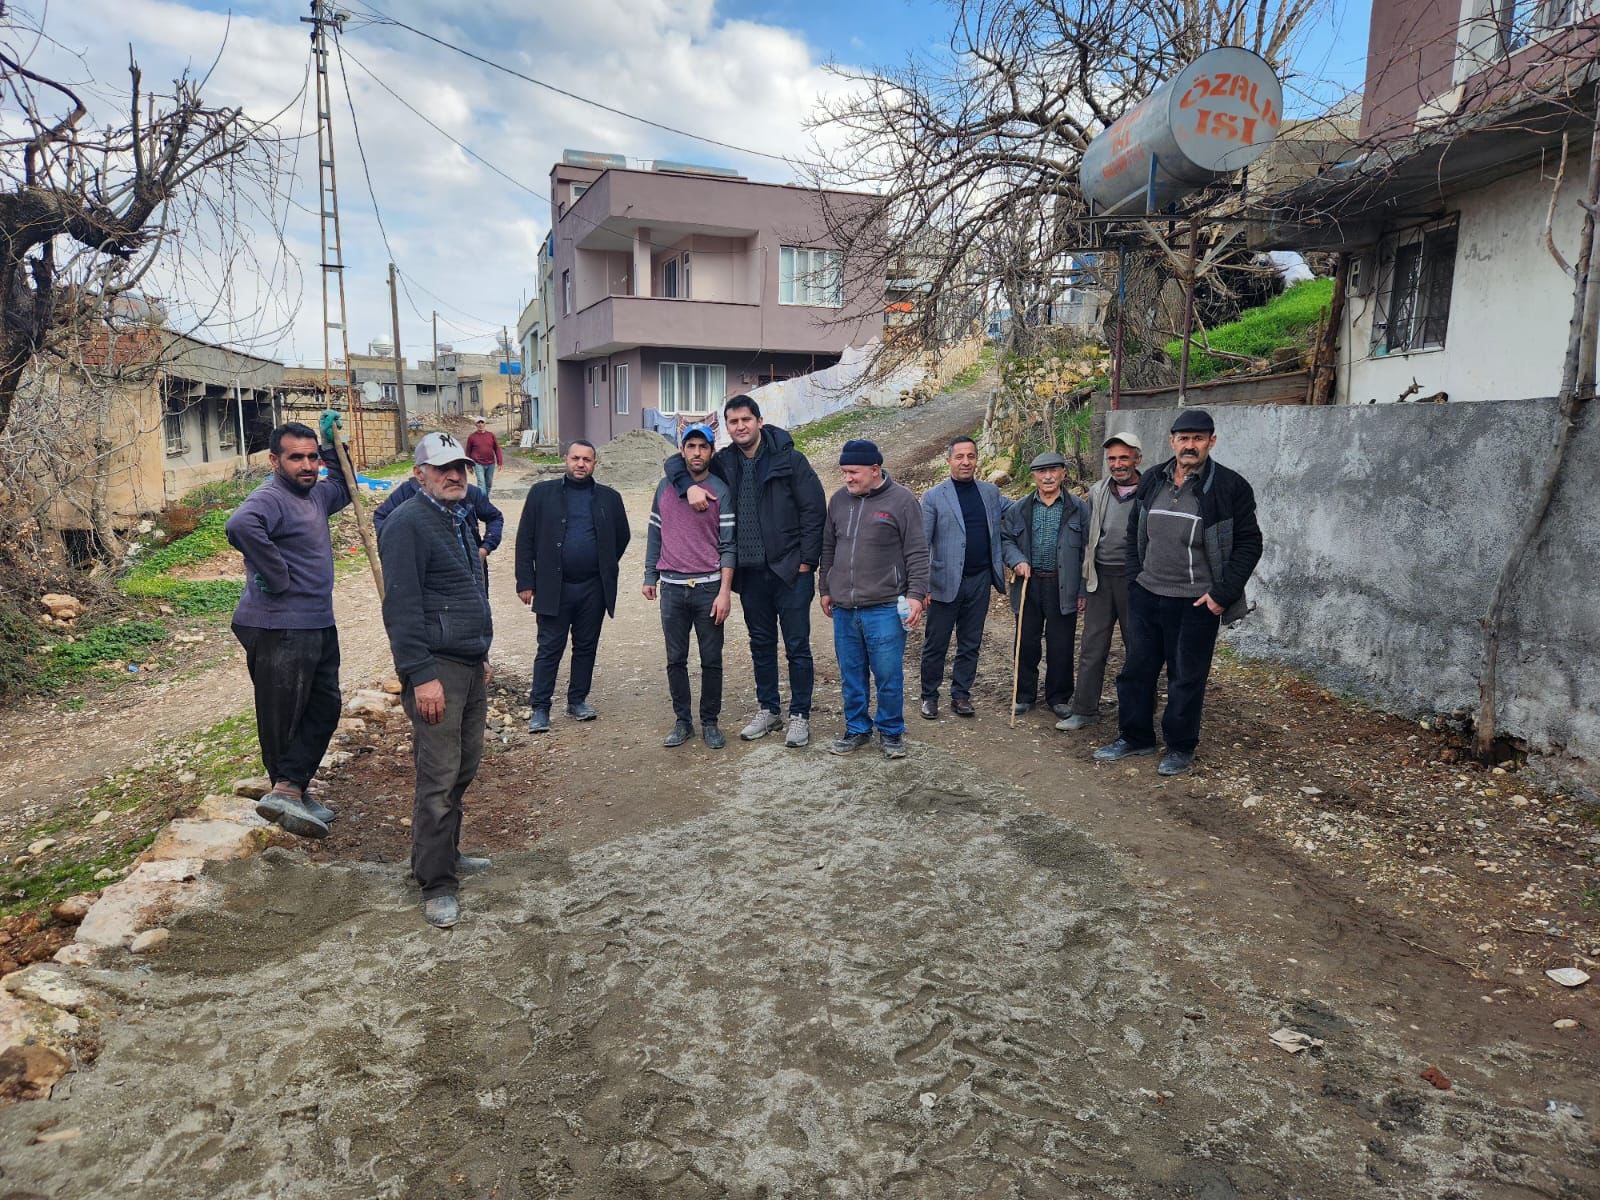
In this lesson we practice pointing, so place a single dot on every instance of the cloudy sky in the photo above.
(745, 72)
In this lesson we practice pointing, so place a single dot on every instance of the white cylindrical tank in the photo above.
(1216, 116)
(380, 347)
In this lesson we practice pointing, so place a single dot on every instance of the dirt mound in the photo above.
(633, 460)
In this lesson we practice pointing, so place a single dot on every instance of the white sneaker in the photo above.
(799, 733)
(761, 724)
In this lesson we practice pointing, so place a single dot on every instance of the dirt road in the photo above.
(991, 970)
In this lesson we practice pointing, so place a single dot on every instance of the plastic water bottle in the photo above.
(903, 607)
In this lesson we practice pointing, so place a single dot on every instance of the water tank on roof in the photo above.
(446, 348)
(1216, 116)
(380, 347)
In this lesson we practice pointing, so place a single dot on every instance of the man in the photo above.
(873, 553)
(778, 506)
(1193, 542)
(284, 619)
(477, 503)
(484, 449)
(436, 612)
(1041, 539)
(961, 518)
(689, 561)
(570, 540)
(1104, 577)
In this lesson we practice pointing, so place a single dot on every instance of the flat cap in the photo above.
(1194, 420)
(1048, 459)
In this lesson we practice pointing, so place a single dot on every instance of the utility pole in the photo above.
(505, 353)
(438, 400)
(403, 435)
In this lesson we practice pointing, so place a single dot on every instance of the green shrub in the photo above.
(149, 579)
(1288, 320)
(222, 493)
(98, 644)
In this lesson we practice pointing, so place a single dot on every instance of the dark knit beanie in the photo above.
(858, 452)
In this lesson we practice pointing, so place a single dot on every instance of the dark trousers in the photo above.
(963, 616)
(583, 609)
(683, 609)
(1165, 631)
(446, 757)
(769, 606)
(1042, 618)
(296, 678)
(1107, 609)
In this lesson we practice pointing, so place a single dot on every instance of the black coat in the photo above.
(542, 530)
(793, 504)
(1228, 526)
(434, 602)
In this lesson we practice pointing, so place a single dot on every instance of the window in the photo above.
(691, 387)
(172, 428)
(588, 386)
(1416, 270)
(687, 294)
(227, 429)
(566, 293)
(388, 392)
(620, 389)
(669, 278)
(578, 189)
(808, 276)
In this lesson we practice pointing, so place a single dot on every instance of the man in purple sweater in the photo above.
(284, 620)
(689, 560)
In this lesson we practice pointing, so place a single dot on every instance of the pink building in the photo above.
(676, 287)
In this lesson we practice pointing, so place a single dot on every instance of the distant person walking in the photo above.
(1042, 539)
(874, 555)
(284, 619)
(484, 450)
(436, 612)
(778, 503)
(961, 518)
(1105, 576)
(570, 541)
(1193, 542)
(688, 563)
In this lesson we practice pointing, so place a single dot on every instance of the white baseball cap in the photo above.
(1130, 440)
(440, 450)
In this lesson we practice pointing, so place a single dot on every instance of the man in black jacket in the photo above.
(436, 612)
(779, 508)
(483, 510)
(1193, 541)
(571, 537)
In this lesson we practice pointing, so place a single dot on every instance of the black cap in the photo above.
(858, 452)
(1194, 420)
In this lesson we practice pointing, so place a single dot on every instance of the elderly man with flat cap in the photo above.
(1041, 539)
(1193, 541)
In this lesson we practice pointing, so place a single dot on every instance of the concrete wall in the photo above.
(1386, 528)
(1509, 305)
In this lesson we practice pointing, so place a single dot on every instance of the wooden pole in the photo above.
(363, 525)
(403, 434)
(1190, 277)
(1016, 652)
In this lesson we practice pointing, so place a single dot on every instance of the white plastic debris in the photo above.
(1293, 1041)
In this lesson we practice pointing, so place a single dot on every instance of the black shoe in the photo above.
(1062, 711)
(540, 721)
(1120, 749)
(893, 747)
(849, 743)
(712, 736)
(1175, 762)
(962, 707)
(1021, 707)
(582, 711)
(471, 864)
(318, 809)
(681, 733)
(930, 709)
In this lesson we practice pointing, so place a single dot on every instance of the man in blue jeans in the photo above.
(874, 552)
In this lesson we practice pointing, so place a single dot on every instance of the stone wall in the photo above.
(1386, 527)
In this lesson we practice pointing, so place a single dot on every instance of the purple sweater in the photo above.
(684, 544)
(288, 555)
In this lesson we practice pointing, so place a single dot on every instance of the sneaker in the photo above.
(540, 721)
(849, 743)
(441, 912)
(681, 733)
(930, 710)
(1175, 762)
(318, 809)
(893, 747)
(1120, 749)
(761, 724)
(582, 711)
(291, 815)
(1077, 721)
(799, 733)
(469, 864)
(962, 706)
(712, 736)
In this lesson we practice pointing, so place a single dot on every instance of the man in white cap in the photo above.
(436, 612)
(1105, 577)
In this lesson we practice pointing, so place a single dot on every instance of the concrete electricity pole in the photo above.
(505, 352)
(403, 437)
(438, 400)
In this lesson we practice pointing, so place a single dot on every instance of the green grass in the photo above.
(222, 493)
(394, 470)
(539, 457)
(150, 580)
(99, 644)
(973, 373)
(820, 433)
(1290, 319)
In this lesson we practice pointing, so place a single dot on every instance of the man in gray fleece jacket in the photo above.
(874, 554)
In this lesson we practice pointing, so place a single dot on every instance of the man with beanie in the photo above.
(1193, 542)
(284, 619)
(436, 612)
(688, 562)
(1104, 577)
(1042, 541)
(961, 518)
(874, 553)
(569, 543)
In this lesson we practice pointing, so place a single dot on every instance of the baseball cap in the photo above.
(439, 450)
(1194, 420)
(699, 429)
(1130, 440)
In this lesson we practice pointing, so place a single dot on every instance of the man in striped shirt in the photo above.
(688, 564)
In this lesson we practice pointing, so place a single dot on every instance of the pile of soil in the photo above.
(633, 460)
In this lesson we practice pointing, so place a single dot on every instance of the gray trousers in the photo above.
(1107, 607)
(446, 757)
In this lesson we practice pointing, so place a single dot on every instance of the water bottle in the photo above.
(903, 607)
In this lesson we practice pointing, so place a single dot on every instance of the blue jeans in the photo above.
(870, 645)
(768, 607)
(485, 474)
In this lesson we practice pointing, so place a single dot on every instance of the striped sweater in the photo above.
(684, 544)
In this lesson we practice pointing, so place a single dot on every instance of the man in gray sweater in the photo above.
(874, 555)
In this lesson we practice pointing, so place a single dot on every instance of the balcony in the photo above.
(619, 323)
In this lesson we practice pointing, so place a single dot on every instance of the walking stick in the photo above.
(1016, 654)
(363, 526)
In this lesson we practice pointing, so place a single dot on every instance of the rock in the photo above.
(252, 789)
(62, 606)
(187, 777)
(212, 841)
(148, 940)
(151, 890)
(235, 809)
(334, 758)
(56, 1136)
(39, 847)
(73, 909)
(1252, 801)
(1311, 791)
(101, 817)
(1564, 1023)
(29, 1072)
(1438, 1078)
(104, 873)
(1570, 977)
(393, 687)
(999, 478)
(352, 725)
(46, 985)
(75, 954)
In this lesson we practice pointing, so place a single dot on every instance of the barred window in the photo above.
(1416, 271)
